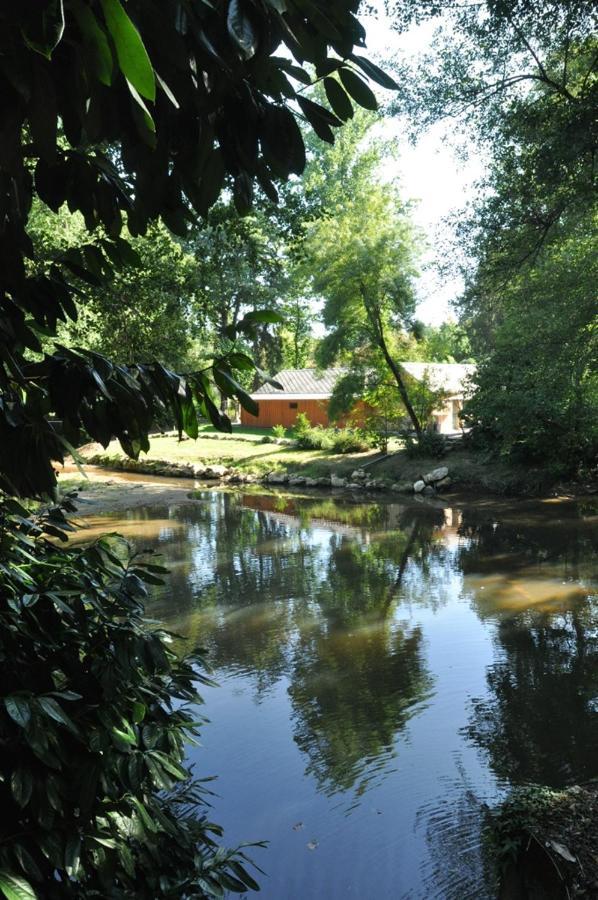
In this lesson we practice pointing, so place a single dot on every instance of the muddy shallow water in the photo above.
(385, 670)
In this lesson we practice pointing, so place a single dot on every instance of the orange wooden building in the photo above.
(308, 391)
(304, 391)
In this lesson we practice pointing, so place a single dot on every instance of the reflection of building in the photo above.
(308, 391)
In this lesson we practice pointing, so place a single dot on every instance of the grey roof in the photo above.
(303, 381)
(449, 377)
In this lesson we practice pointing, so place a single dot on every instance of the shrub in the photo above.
(339, 440)
(349, 440)
(279, 431)
(95, 796)
(430, 444)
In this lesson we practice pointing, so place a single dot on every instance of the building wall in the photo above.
(446, 419)
(284, 412)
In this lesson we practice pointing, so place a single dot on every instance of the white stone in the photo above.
(277, 478)
(215, 471)
(436, 475)
(419, 486)
(357, 475)
(335, 481)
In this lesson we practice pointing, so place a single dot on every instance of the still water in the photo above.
(385, 671)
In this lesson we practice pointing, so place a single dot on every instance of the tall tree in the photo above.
(361, 260)
(143, 312)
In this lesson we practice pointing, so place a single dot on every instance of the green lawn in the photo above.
(245, 451)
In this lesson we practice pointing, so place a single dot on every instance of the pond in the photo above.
(385, 672)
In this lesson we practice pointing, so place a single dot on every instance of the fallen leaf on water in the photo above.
(311, 845)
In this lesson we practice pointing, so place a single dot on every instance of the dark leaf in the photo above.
(18, 709)
(240, 28)
(374, 72)
(358, 89)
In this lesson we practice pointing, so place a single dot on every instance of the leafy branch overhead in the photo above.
(128, 113)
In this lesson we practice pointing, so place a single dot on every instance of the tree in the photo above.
(537, 385)
(447, 342)
(361, 260)
(522, 79)
(143, 312)
(485, 63)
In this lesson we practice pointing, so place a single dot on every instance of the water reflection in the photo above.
(385, 668)
(539, 718)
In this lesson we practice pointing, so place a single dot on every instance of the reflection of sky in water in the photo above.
(382, 669)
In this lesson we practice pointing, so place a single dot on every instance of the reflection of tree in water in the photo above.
(310, 594)
(540, 720)
(352, 691)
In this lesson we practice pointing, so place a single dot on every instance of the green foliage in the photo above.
(279, 431)
(517, 818)
(447, 343)
(430, 443)
(104, 111)
(143, 312)
(361, 260)
(128, 114)
(350, 440)
(537, 385)
(92, 778)
(336, 440)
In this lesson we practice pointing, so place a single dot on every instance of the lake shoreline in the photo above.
(102, 491)
(395, 474)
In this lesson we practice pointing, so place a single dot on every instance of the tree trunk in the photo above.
(394, 368)
(375, 318)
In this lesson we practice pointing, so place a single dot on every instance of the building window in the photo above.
(293, 406)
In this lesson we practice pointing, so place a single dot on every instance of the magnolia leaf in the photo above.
(338, 99)
(374, 72)
(358, 89)
(132, 56)
(54, 710)
(45, 28)
(263, 315)
(15, 888)
(240, 29)
(18, 709)
(95, 42)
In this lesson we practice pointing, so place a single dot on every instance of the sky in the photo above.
(430, 173)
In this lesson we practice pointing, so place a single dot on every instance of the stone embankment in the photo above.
(359, 480)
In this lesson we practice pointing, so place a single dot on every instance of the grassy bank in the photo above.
(254, 453)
